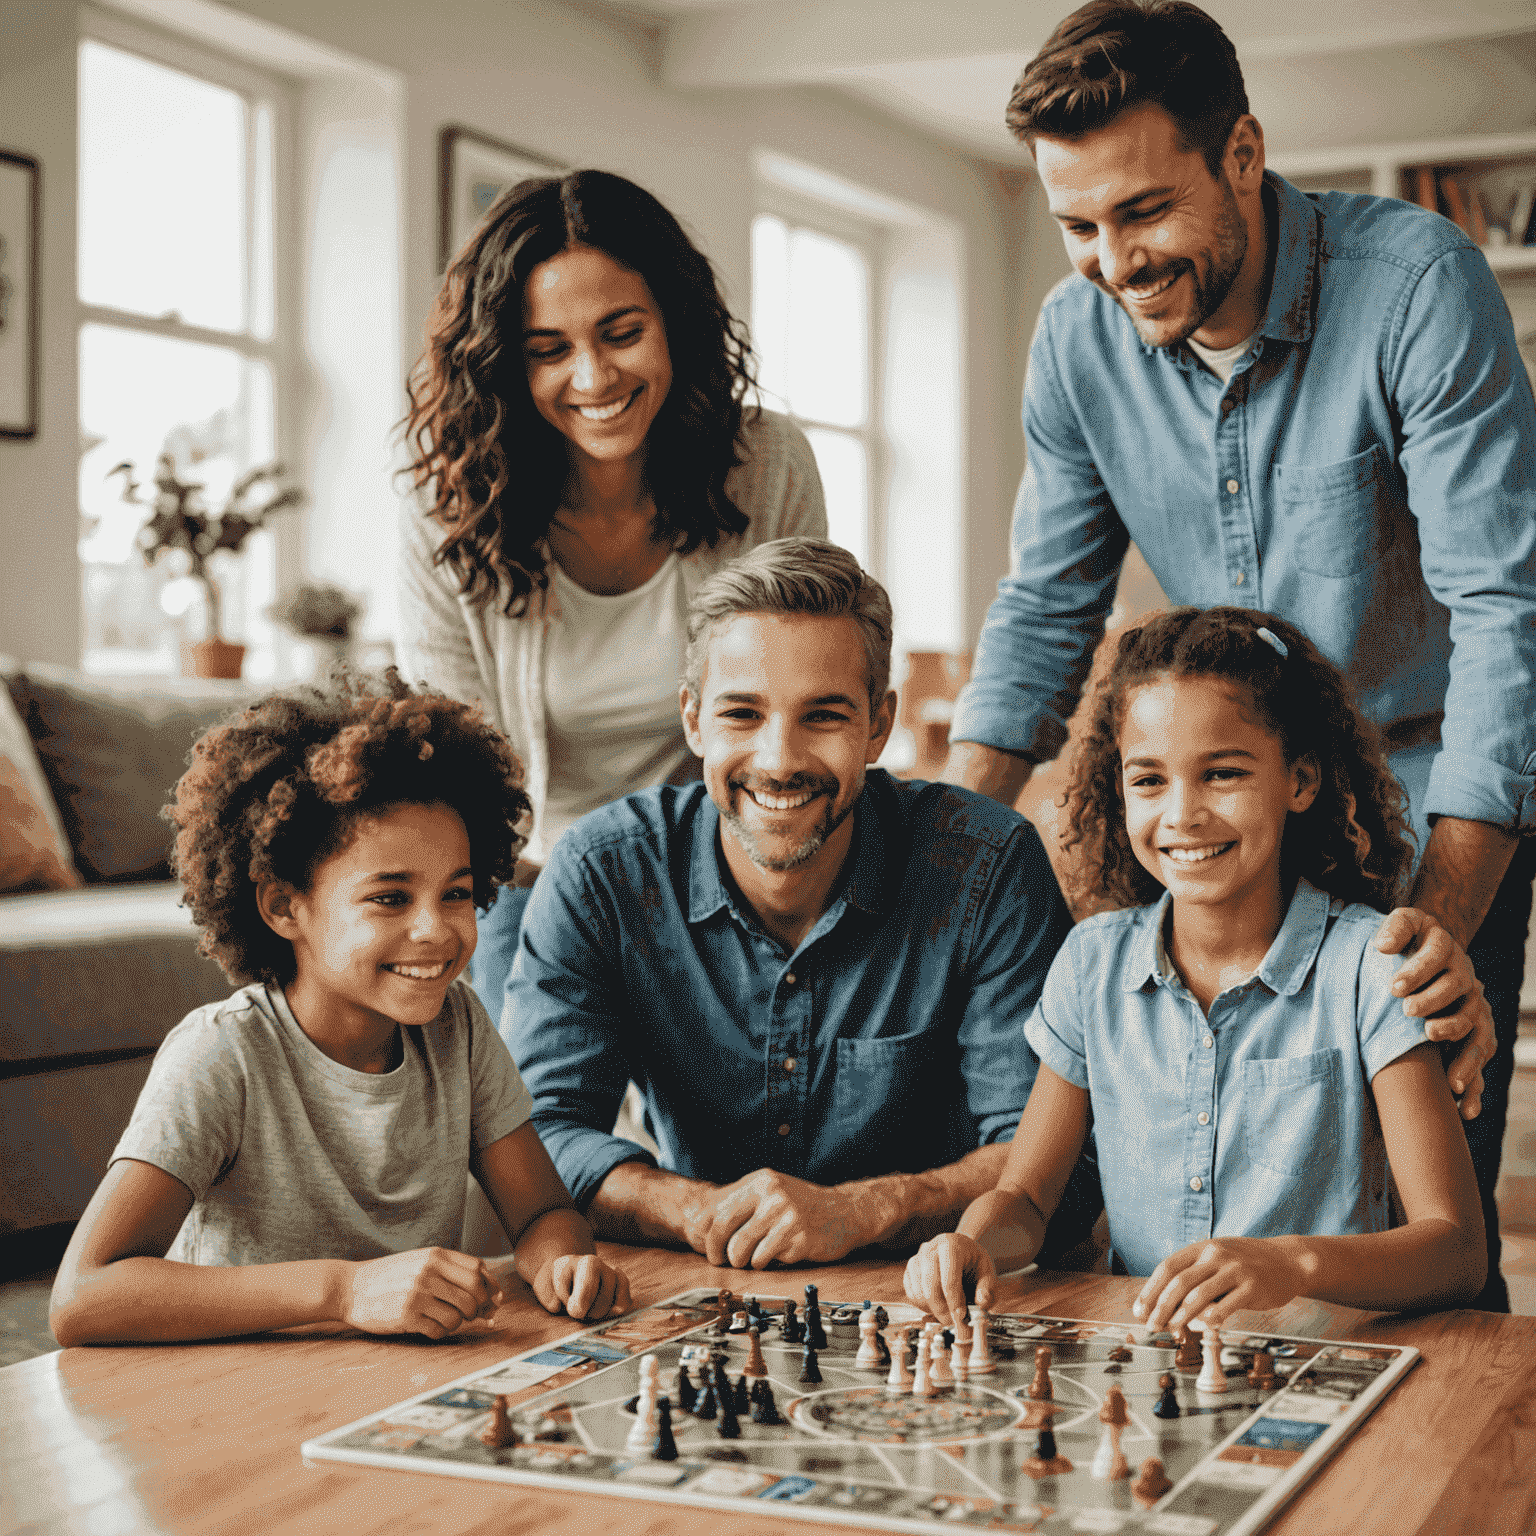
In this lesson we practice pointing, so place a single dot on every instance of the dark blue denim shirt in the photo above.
(1369, 473)
(891, 1039)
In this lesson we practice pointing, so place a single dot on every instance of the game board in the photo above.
(852, 1450)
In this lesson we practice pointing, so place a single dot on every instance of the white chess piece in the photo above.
(957, 1362)
(647, 1425)
(1104, 1457)
(922, 1383)
(1211, 1378)
(868, 1357)
(938, 1361)
(981, 1362)
(900, 1378)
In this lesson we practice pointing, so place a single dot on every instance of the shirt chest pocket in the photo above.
(1339, 519)
(1289, 1112)
(887, 1079)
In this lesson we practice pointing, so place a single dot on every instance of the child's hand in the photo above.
(582, 1285)
(428, 1290)
(1213, 1279)
(939, 1272)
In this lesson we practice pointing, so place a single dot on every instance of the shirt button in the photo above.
(1233, 487)
(1196, 1185)
(789, 978)
(1237, 580)
(1204, 1118)
(783, 1130)
(1227, 404)
(789, 1063)
(1208, 1042)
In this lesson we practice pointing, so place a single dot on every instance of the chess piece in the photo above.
(740, 1322)
(922, 1382)
(868, 1357)
(756, 1366)
(791, 1329)
(938, 1360)
(1109, 1463)
(1047, 1461)
(900, 1378)
(754, 1311)
(1152, 1484)
(1040, 1387)
(981, 1362)
(707, 1406)
(1167, 1406)
(499, 1433)
(959, 1366)
(1212, 1378)
(1187, 1356)
(642, 1433)
(743, 1395)
(809, 1370)
(729, 1427)
(687, 1394)
(765, 1410)
(723, 1306)
(1261, 1376)
(882, 1318)
(815, 1334)
(666, 1446)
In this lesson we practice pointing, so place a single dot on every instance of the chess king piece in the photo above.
(499, 1433)
(900, 1378)
(809, 1371)
(981, 1362)
(1040, 1387)
(1212, 1378)
(1109, 1463)
(666, 1446)
(1152, 1484)
(1047, 1461)
(1167, 1405)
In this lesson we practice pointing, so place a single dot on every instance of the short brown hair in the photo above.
(794, 576)
(1115, 54)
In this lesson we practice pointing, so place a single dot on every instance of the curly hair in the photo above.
(1115, 54)
(494, 468)
(276, 790)
(1353, 841)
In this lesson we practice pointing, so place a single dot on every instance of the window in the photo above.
(812, 333)
(181, 329)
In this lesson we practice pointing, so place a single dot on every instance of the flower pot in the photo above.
(212, 658)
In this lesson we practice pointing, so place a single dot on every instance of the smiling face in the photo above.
(596, 353)
(1145, 221)
(388, 922)
(1207, 791)
(785, 731)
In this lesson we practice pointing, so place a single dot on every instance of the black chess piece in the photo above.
(885, 1351)
(743, 1395)
(666, 1446)
(706, 1407)
(730, 1425)
(687, 1393)
(765, 1410)
(815, 1334)
(791, 1329)
(809, 1370)
(1045, 1443)
(882, 1317)
(1167, 1405)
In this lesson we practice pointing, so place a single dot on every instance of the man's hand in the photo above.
(941, 1272)
(582, 1285)
(427, 1290)
(1211, 1280)
(769, 1217)
(1437, 984)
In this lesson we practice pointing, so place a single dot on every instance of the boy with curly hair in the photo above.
(298, 1152)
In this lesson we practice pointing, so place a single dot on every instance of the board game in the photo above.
(1012, 1422)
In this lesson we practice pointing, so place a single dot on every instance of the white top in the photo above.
(1221, 363)
(475, 652)
(612, 665)
(290, 1155)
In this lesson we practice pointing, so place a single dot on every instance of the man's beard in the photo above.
(1210, 292)
(809, 846)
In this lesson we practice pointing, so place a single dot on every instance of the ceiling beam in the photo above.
(789, 42)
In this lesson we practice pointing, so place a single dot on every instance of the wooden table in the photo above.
(205, 1437)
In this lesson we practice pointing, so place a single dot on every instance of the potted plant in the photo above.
(322, 614)
(181, 521)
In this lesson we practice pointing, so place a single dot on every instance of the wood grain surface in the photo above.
(205, 1437)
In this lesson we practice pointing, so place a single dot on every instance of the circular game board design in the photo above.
(892, 1418)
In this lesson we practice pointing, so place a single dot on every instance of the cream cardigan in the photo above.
(475, 652)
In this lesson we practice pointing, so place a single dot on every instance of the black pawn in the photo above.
(765, 1410)
(743, 1395)
(1167, 1406)
(706, 1407)
(687, 1393)
(792, 1330)
(666, 1446)
(809, 1370)
(730, 1425)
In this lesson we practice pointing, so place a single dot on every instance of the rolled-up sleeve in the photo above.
(1469, 457)
(563, 1022)
(1055, 1029)
(1020, 926)
(1068, 545)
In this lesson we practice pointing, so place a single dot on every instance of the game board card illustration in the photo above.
(1010, 1422)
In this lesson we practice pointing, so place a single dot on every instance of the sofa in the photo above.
(98, 959)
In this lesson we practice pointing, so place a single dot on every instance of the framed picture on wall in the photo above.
(20, 202)
(473, 171)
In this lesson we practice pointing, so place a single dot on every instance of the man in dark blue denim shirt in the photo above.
(1312, 405)
(818, 979)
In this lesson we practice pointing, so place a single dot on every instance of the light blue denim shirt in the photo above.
(1256, 1121)
(1369, 473)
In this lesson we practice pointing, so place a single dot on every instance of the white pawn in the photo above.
(981, 1363)
(1211, 1378)
(938, 1365)
(647, 1425)
(922, 1383)
(868, 1357)
(900, 1379)
(957, 1362)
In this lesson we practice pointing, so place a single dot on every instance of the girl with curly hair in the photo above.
(1231, 1032)
(299, 1152)
(585, 457)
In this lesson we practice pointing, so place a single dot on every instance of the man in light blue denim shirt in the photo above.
(1312, 405)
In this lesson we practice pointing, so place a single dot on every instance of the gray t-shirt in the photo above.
(290, 1155)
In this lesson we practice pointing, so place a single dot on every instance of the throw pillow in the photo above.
(30, 856)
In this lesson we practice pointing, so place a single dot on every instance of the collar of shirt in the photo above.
(864, 888)
(1284, 969)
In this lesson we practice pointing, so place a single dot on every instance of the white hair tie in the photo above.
(1271, 638)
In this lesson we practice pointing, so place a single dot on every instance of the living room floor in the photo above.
(24, 1298)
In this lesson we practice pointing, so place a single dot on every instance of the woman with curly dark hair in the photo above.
(1231, 1033)
(301, 1151)
(585, 456)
